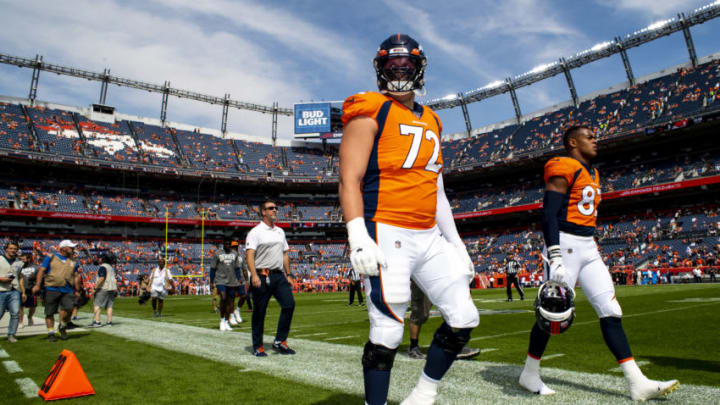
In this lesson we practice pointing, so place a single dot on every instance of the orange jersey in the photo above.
(400, 183)
(579, 214)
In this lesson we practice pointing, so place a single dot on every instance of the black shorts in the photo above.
(231, 292)
(30, 299)
(55, 299)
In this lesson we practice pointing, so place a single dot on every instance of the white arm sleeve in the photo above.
(443, 215)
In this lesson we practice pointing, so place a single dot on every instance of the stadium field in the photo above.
(183, 358)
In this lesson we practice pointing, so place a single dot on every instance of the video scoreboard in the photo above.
(318, 120)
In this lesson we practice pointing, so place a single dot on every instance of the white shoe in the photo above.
(222, 325)
(238, 318)
(417, 397)
(534, 384)
(649, 389)
(233, 321)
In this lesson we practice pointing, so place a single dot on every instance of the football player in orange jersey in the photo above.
(399, 221)
(572, 194)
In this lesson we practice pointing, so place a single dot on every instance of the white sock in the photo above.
(426, 384)
(532, 365)
(632, 371)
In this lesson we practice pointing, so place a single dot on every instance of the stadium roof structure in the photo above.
(563, 65)
(601, 50)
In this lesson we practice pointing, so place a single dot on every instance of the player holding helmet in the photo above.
(572, 194)
(399, 221)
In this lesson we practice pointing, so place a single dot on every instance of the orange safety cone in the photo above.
(66, 380)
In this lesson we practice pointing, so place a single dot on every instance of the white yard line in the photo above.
(337, 367)
(310, 334)
(3, 354)
(553, 356)
(12, 367)
(339, 338)
(28, 387)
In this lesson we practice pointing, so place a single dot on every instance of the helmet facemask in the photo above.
(400, 65)
(399, 74)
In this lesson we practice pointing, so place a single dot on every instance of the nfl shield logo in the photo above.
(398, 245)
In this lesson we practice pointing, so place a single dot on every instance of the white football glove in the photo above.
(365, 254)
(468, 266)
(557, 270)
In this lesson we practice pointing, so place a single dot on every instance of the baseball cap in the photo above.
(66, 243)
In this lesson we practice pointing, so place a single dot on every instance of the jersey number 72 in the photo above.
(417, 134)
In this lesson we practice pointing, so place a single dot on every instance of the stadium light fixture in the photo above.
(602, 45)
(658, 24)
(540, 68)
(496, 83)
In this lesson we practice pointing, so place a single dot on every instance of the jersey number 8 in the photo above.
(586, 206)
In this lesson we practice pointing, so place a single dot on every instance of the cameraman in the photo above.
(105, 289)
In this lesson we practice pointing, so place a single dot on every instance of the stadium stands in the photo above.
(14, 129)
(663, 99)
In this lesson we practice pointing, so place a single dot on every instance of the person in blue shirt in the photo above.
(62, 285)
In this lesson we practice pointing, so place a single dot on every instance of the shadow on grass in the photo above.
(506, 377)
(344, 399)
(685, 364)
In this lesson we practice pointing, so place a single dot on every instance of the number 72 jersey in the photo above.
(400, 183)
(579, 213)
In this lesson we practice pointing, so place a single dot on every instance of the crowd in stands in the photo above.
(664, 99)
(643, 169)
(682, 238)
(686, 238)
(315, 266)
(661, 100)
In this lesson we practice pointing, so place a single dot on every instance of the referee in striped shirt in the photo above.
(511, 269)
(355, 287)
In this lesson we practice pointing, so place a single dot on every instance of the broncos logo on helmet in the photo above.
(554, 307)
(400, 64)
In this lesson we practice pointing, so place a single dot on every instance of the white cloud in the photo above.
(153, 47)
(653, 9)
(422, 23)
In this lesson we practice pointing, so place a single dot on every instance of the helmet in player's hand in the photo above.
(555, 307)
(400, 64)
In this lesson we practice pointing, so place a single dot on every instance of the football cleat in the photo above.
(232, 320)
(282, 348)
(260, 352)
(467, 353)
(534, 384)
(554, 307)
(649, 389)
(63, 333)
(415, 353)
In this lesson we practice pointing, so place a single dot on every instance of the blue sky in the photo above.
(265, 51)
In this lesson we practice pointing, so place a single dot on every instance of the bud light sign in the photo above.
(312, 118)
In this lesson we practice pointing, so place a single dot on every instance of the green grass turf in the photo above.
(673, 327)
